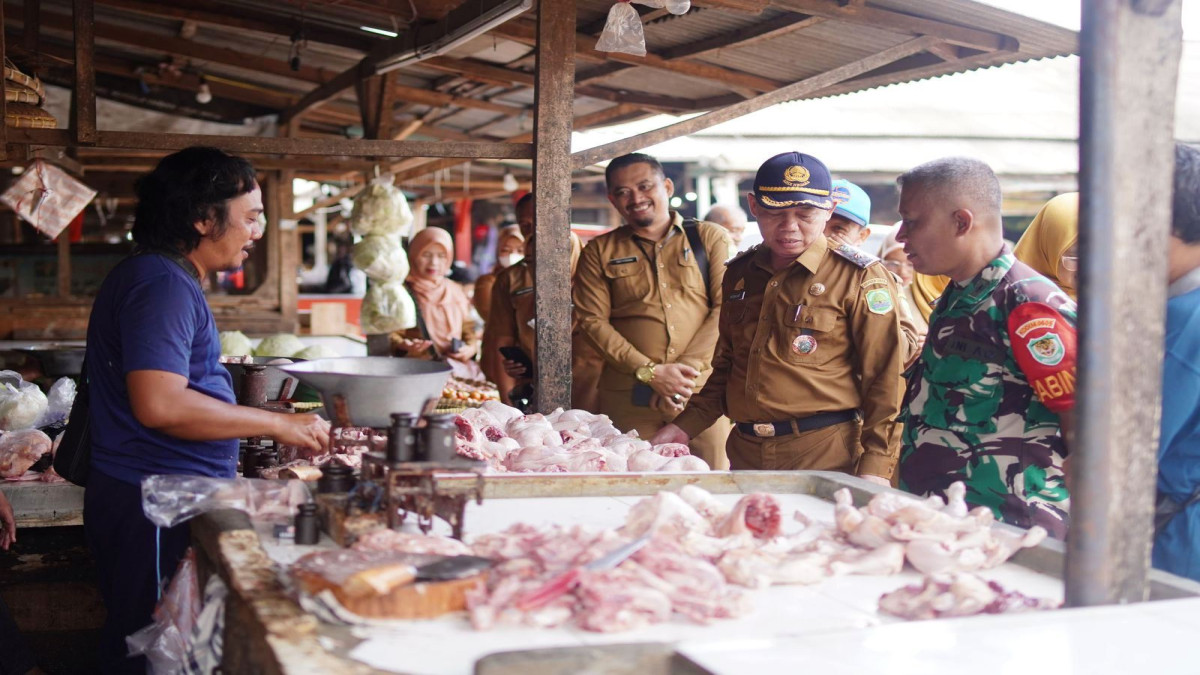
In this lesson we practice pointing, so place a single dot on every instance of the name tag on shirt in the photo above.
(522, 291)
(623, 261)
(740, 295)
(973, 350)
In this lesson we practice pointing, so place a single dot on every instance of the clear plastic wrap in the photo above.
(381, 209)
(59, 400)
(170, 500)
(387, 307)
(165, 642)
(21, 405)
(381, 258)
(623, 31)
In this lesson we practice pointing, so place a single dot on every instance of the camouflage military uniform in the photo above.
(983, 400)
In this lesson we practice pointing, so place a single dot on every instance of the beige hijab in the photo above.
(442, 303)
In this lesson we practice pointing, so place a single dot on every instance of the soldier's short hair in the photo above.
(965, 176)
(629, 160)
(1185, 206)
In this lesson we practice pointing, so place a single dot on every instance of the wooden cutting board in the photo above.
(420, 600)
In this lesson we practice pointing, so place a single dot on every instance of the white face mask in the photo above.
(511, 259)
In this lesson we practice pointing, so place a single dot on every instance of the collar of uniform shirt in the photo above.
(980, 285)
(675, 227)
(810, 259)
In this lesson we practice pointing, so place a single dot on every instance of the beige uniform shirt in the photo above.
(641, 301)
(821, 335)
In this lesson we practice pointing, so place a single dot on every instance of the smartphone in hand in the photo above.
(518, 355)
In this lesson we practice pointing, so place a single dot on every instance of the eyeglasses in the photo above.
(897, 265)
(1070, 263)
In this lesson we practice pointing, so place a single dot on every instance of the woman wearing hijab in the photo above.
(1051, 244)
(446, 322)
(510, 249)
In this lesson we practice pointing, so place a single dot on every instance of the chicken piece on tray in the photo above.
(951, 595)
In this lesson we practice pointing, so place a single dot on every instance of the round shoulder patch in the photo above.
(879, 301)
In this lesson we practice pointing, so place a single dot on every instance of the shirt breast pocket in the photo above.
(810, 338)
(628, 281)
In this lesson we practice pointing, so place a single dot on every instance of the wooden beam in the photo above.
(31, 26)
(791, 91)
(585, 47)
(553, 103)
(83, 97)
(1129, 70)
(410, 43)
(283, 146)
(789, 23)
(214, 14)
(479, 70)
(306, 163)
(898, 22)
(945, 51)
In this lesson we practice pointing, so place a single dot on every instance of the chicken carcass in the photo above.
(20, 450)
(956, 595)
(756, 514)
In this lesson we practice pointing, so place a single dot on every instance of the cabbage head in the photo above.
(282, 344)
(381, 258)
(387, 307)
(235, 343)
(381, 209)
(316, 352)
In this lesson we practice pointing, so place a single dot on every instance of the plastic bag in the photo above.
(170, 500)
(59, 401)
(381, 258)
(623, 31)
(672, 6)
(165, 642)
(386, 308)
(48, 197)
(21, 405)
(381, 209)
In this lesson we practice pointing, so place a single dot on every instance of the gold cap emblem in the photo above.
(797, 175)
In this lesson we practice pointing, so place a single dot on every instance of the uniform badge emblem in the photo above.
(796, 175)
(1048, 349)
(816, 289)
(804, 344)
(840, 194)
(880, 301)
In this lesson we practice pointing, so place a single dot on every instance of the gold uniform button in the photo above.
(774, 283)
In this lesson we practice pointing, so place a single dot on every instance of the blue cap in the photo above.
(793, 179)
(852, 203)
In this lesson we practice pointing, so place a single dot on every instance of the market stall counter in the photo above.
(794, 521)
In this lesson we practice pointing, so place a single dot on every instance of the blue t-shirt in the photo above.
(150, 314)
(1177, 547)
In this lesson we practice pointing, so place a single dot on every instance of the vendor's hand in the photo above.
(8, 524)
(878, 480)
(464, 353)
(306, 430)
(515, 370)
(674, 378)
(415, 349)
(670, 434)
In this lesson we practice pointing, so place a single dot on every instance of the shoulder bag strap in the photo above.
(691, 227)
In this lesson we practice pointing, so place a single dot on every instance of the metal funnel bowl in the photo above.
(370, 388)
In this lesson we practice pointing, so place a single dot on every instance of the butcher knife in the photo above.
(567, 581)
(382, 579)
(453, 567)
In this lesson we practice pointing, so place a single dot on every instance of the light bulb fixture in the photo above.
(203, 94)
(510, 181)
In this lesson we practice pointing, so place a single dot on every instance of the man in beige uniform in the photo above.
(641, 300)
(809, 341)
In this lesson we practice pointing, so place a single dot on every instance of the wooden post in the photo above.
(1129, 65)
(289, 251)
(4, 112)
(553, 99)
(85, 73)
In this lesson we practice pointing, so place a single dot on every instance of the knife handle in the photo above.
(555, 588)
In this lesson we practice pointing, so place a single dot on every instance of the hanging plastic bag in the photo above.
(48, 197)
(381, 209)
(623, 31)
(381, 258)
(387, 307)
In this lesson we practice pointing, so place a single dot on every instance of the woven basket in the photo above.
(26, 116)
(15, 93)
(14, 76)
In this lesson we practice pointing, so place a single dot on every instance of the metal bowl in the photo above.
(58, 360)
(280, 385)
(370, 388)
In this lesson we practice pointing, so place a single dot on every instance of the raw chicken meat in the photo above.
(957, 595)
(20, 450)
(756, 514)
(405, 542)
(564, 440)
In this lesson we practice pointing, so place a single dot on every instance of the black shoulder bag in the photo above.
(73, 459)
